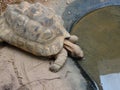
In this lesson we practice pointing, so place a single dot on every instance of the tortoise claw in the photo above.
(54, 68)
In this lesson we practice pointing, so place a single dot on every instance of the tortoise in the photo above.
(36, 28)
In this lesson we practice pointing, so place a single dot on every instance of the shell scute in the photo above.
(14, 39)
(29, 46)
(21, 42)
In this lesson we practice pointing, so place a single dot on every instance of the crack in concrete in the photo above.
(17, 73)
(40, 81)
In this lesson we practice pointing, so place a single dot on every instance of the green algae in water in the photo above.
(99, 37)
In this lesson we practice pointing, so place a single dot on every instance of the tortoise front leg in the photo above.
(60, 61)
(73, 38)
(74, 49)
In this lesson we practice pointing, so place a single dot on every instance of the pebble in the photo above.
(68, 2)
(69, 12)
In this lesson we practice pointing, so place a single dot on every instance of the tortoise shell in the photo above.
(34, 28)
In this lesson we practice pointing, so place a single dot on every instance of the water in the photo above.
(99, 37)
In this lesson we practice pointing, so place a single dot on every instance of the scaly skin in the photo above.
(74, 49)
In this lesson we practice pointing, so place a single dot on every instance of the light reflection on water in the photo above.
(99, 36)
(110, 81)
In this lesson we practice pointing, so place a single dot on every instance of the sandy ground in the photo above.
(22, 71)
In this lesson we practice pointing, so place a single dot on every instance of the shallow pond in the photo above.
(99, 37)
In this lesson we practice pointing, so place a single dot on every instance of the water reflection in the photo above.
(99, 34)
(110, 81)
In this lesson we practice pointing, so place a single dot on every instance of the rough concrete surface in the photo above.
(22, 71)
